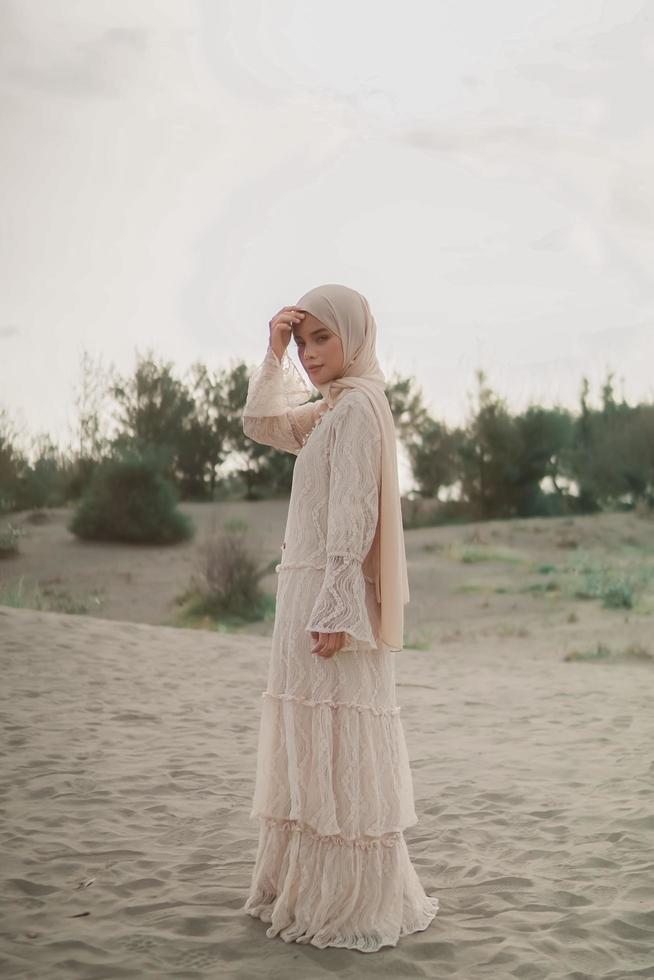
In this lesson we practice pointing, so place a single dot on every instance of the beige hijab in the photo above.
(345, 312)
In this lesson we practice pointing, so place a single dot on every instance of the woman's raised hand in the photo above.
(281, 328)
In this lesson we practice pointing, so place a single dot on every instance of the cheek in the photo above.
(335, 351)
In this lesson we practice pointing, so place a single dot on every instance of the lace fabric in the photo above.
(353, 505)
(333, 787)
(341, 603)
(277, 412)
(313, 891)
(360, 749)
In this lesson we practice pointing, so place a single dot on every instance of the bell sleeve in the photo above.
(353, 507)
(277, 412)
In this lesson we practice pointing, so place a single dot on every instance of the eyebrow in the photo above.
(315, 331)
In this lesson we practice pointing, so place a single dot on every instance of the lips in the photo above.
(315, 368)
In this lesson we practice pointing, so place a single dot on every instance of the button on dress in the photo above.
(333, 788)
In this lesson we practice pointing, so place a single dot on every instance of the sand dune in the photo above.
(128, 757)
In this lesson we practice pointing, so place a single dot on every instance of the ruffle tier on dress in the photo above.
(332, 866)
(313, 889)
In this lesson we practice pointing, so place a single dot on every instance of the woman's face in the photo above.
(320, 350)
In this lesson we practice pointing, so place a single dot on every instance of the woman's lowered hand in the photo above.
(327, 644)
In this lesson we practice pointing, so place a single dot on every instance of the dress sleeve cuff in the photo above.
(341, 603)
(274, 387)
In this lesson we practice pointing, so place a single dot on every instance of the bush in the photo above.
(230, 575)
(19, 595)
(79, 476)
(41, 485)
(9, 541)
(128, 499)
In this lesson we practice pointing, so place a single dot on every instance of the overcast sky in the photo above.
(172, 173)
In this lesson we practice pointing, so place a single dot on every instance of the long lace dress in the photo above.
(333, 789)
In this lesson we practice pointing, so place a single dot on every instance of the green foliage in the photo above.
(12, 464)
(26, 484)
(38, 484)
(79, 474)
(431, 450)
(602, 652)
(613, 452)
(540, 587)
(407, 406)
(20, 595)
(472, 556)
(617, 584)
(429, 444)
(153, 405)
(9, 541)
(504, 459)
(498, 464)
(130, 500)
(42, 483)
(269, 473)
(542, 462)
(228, 585)
(195, 423)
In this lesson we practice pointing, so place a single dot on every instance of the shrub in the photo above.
(128, 499)
(9, 541)
(32, 595)
(230, 575)
(79, 476)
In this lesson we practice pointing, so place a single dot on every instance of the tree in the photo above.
(487, 454)
(432, 454)
(12, 463)
(407, 407)
(544, 436)
(90, 436)
(154, 409)
(599, 450)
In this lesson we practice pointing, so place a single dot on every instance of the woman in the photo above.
(333, 784)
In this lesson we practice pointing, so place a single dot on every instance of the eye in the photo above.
(300, 343)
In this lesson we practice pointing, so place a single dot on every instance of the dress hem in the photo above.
(304, 913)
(262, 908)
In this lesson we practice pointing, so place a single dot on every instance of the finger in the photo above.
(284, 320)
(331, 647)
(323, 643)
(288, 311)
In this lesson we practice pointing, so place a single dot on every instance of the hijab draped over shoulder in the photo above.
(346, 312)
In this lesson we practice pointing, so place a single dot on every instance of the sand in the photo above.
(127, 769)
